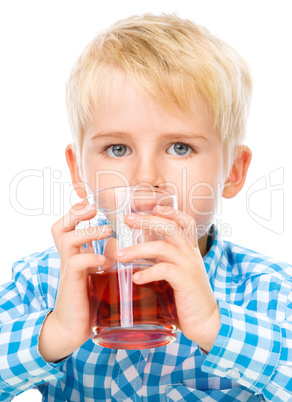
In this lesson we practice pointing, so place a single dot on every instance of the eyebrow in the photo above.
(125, 135)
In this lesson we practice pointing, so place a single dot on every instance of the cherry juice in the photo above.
(144, 316)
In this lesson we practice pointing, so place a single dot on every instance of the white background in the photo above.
(40, 40)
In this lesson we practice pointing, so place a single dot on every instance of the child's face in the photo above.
(134, 140)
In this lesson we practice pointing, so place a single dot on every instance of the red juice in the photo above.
(144, 317)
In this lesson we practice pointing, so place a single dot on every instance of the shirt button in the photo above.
(233, 373)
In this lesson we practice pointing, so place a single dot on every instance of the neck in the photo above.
(202, 243)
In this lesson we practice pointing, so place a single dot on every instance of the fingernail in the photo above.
(137, 276)
(120, 253)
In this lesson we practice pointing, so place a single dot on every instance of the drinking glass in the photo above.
(125, 315)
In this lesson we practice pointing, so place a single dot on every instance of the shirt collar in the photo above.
(217, 265)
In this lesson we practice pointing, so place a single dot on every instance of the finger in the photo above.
(186, 222)
(109, 250)
(79, 212)
(158, 272)
(168, 228)
(80, 263)
(79, 237)
(81, 240)
(158, 250)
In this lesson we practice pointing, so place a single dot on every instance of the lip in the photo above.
(137, 199)
(137, 188)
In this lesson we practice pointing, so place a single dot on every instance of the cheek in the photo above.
(201, 205)
(205, 186)
(200, 200)
(100, 173)
(200, 196)
(98, 177)
(97, 180)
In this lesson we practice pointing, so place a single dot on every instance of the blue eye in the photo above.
(179, 149)
(117, 150)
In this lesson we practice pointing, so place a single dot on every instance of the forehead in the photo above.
(121, 107)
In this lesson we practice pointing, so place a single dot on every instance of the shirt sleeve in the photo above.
(23, 309)
(255, 349)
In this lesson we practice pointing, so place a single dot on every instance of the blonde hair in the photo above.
(172, 60)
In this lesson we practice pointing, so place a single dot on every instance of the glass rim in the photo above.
(158, 189)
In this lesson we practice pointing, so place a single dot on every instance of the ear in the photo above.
(238, 172)
(75, 171)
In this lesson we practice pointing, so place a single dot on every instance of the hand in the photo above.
(68, 326)
(180, 263)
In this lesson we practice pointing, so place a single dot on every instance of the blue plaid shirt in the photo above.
(251, 359)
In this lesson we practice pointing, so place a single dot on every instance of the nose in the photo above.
(148, 170)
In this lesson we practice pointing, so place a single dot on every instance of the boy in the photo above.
(154, 100)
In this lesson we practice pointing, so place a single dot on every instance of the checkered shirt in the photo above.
(251, 359)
